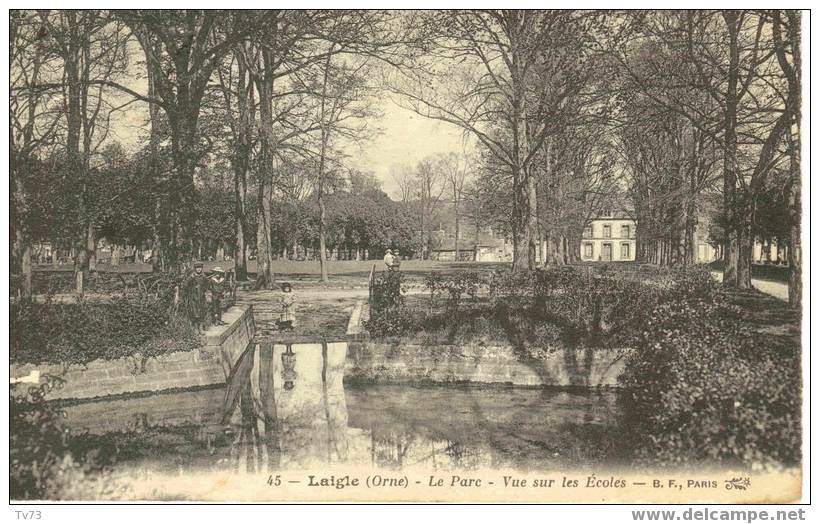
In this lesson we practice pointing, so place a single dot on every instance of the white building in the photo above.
(610, 237)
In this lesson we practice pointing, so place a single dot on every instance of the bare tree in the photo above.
(497, 92)
(456, 170)
(32, 126)
(343, 112)
(729, 57)
(786, 34)
(402, 175)
(91, 47)
(430, 183)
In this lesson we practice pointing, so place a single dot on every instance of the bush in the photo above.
(82, 332)
(386, 292)
(701, 386)
(37, 443)
(579, 306)
(394, 322)
(45, 461)
(387, 312)
(455, 285)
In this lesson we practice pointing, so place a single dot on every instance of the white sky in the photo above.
(405, 138)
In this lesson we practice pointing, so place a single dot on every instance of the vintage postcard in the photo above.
(407, 256)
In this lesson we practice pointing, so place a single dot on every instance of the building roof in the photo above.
(615, 214)
(484, 241)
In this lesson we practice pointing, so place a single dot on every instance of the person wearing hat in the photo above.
(217, 286)
(195, 292)
(396, 261)
(388, 260)
(287, 319)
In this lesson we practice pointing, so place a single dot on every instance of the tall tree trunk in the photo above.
(154, 168)
(795, 214)
(520, 222)
(322, 246)
(793, 75)
(240, 262)
(74, 165)
(183, 147)
(267, 148)
(92, 248)
(456, 210)
(264, 276)
(532, 220)
(241, 159)
(732, 246)
(745, 242)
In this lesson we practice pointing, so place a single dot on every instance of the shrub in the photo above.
(46, 462)
(386, 292)
(702, 387)
(455, 285)
(37, 444)
(394, 322)
(82, 332)
(579, 306)
(387, 312)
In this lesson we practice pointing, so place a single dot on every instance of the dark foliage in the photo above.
(45, 462)
(82, 332)
(702, 385)
(38, 443)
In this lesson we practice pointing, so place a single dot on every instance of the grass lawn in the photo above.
(356, 272)
(771, 273)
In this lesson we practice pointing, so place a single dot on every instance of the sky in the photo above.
(405, 137)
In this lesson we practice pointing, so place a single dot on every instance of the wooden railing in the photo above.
(370, 288)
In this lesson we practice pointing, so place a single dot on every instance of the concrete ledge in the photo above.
(231, 340)
(205, 366)
(374, 362)
(354, 325)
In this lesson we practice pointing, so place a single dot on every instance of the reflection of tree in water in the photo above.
(390, 451)
(300, 422)
(401, 450)
(256, 447)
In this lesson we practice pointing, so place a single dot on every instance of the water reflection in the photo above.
(286, 407)
(287, 403)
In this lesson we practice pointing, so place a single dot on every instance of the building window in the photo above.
(625, 251)
(607, 231)
(587, 250)
(624, 231)
(588, 231)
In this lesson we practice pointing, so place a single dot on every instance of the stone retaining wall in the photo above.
(376, 362)
(185, 369)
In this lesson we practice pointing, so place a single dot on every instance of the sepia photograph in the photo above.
(450, 255)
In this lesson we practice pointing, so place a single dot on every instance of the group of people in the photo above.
(204, 296)
(392, 261)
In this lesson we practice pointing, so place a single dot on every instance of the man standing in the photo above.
(217, 288)
(388, 260)
(195, 288)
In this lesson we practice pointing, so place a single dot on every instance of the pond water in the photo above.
(383, 426)
(286, 406)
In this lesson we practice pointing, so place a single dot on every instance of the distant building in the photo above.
(609, 237)
(489, 249)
